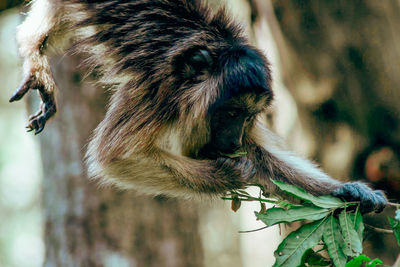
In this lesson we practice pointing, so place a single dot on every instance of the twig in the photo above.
(243, 197)
(379, 230)
(393, 204)
(251, 231)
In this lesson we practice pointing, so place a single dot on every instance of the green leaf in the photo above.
(360, 260)
(353, 246)
(305, 257)
(278, 215)
(292, 248)
(334, 241)
(358, 224)
(395, 224)
(311, 258)
(374, 263)
(316, 260)
(321, 201)
(286, 204)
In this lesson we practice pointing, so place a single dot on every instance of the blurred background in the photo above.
(336, 68)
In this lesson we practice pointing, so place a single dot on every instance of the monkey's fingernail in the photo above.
(38, 131)
(14, 97)
(18, 94)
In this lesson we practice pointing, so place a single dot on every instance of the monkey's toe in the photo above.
(370, 200)
(37, 124)
(38, 121)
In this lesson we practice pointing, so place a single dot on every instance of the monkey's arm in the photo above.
(176, 176)
(285, 166)
(272, 162)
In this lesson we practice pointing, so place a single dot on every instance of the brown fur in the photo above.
(171, 64)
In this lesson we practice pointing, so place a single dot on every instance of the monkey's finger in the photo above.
(381, 201)
(21, 90)
(38, 131)
(41, 122)
(37, 125)
(33, 125)
(37, 114)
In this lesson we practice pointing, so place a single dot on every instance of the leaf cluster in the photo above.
(332, 234)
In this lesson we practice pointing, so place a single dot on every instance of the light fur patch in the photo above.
(170, 140)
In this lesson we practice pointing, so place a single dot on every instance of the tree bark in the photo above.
(87, 225)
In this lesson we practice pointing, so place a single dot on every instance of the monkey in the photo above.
(189, 93)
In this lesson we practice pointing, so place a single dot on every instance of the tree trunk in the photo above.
(87, 225)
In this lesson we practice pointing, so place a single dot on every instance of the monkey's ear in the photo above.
(193, 62)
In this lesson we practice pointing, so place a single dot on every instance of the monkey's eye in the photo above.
(233, 114)
(201, 59)
(194, 62)
(199, 62)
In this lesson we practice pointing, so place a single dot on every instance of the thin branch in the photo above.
(379, 230)
(252, 231)
(392, 204)
(248, 198)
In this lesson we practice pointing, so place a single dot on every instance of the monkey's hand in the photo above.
(47, 107)
(370, 200)
(238, 170)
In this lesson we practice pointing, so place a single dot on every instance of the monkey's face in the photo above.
(231, 123)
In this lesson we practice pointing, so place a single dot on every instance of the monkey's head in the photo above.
(232, 83)
(199, 83)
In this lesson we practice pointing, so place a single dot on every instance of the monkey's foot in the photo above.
(370, 200)
(38, 121)
(47, 107)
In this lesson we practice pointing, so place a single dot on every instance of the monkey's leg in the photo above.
(274, 163)
(33, 35)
